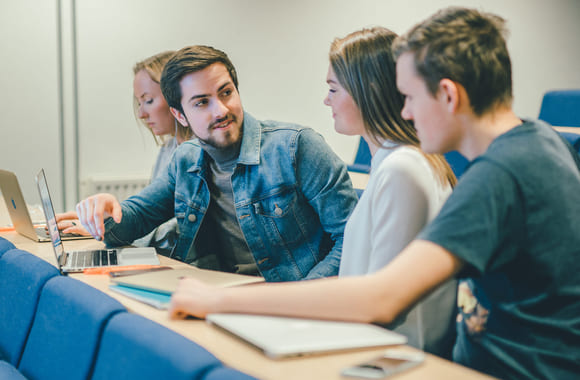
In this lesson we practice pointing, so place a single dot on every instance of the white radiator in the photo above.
(122, 188)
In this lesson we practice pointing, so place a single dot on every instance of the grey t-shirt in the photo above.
(514, 219)
(231, 250)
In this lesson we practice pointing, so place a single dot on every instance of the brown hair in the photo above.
(466, 46)
(189, 60)
(365, 67)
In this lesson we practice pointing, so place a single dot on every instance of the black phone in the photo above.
(391, 362)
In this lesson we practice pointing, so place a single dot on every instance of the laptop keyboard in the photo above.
(94, 258)
(42, 232)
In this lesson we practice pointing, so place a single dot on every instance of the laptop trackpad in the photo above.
(137, 256)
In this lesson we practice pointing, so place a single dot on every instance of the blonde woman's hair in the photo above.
(154, 67)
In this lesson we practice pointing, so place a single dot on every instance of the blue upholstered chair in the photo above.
(561, 108)
(572, 138)
(457, 162)
(22, 277)
(67, 329)
(9, 372)
(362, 160)
(226, 373)
(5, 245)
(134, 347)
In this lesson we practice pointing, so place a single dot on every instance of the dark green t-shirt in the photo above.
(514, 219)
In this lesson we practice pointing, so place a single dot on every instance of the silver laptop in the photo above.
(77, 261)
(280, 337)
(19, 214)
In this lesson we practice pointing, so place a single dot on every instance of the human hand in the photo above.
(93, 211)
(69, 223)
(193, 297)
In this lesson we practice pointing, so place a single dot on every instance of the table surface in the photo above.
(568, 129)
(235, 352)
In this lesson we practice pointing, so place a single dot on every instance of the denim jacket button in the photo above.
(192, 218)
(278, 211)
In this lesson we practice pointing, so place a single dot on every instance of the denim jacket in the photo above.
(292, 196)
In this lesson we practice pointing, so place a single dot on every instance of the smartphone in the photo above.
(391, 362)
(123, 273)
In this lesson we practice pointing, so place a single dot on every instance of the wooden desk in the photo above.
(359, 180)
(568, 129)
(236, 353)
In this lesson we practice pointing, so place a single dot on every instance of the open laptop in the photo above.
(77, 261)
(19, 214)
(279, 337)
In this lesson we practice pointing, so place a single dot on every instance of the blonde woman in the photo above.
(153, 112)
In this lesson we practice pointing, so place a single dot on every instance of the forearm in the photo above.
(379, 297)
(350, 299)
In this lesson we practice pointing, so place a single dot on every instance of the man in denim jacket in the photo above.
(251, 197)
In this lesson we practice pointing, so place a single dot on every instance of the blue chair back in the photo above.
(9, 372)
(362, 160)
(572, 138)
(226, 373)
(134, 347)
(561, 108)
(457, 162)
(22, 277)
(67, 329)
(5, 245)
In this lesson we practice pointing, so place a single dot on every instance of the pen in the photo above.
(107, 270)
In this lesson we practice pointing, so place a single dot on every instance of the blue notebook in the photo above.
(155, 299)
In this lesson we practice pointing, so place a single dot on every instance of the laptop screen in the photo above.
(50, 218)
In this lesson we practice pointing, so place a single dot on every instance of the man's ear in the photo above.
(179, 116)
(450, 94)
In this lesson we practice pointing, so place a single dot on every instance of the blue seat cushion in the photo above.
(67, 329)
(9, 372)
(226, 373)
(5, 245)
(457, 162)
(561, 108)
(572, 138)
(22, 276)
(134, 347)
(362, 160)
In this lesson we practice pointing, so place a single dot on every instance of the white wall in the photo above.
(279, 49)
(29, 117)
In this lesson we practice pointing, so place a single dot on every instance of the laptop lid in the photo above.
(16, 205)
(51, 224)
(280, 337)
(125, 256)
(166, 281)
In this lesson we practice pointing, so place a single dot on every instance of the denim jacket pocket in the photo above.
(278, 216)
(188, 215)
